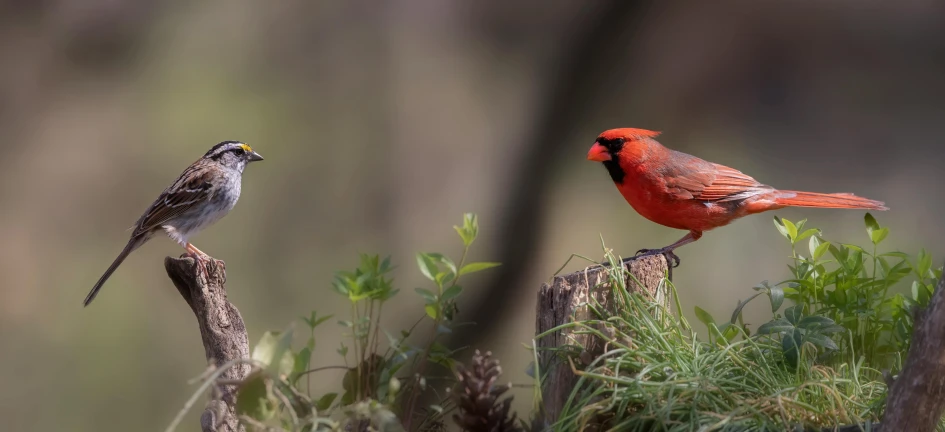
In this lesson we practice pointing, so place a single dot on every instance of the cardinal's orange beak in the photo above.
(598, 153)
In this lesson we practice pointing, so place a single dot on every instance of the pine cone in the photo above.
(477, 397)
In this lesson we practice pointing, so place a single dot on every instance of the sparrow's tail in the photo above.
(131, 246)
(822, 200)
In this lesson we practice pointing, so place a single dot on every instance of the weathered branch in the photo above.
(221, 329)
(562, 299)
(917, 397)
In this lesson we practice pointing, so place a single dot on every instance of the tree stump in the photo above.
(222, 331)
(563, 298)
(917, 397)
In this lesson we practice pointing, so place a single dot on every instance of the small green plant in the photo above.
(848, 301)
(385, 375)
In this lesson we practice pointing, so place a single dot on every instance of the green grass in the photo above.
(656, 375)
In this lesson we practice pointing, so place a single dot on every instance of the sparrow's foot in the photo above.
(201, 259)
(671, 257)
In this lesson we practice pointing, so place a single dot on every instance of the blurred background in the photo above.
(381, 123)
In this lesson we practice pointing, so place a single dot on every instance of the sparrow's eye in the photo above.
(239, 152)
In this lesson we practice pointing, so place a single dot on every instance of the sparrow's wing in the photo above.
(688, 177)
(191, 188)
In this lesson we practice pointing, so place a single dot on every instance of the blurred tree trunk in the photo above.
(572, 87)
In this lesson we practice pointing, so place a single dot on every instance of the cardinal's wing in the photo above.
(690, 178)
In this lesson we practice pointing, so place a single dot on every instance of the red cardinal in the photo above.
(684, 192)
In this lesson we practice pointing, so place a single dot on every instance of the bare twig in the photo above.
(223, 333)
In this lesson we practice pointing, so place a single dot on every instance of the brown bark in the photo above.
(562, 299)
(221, 329)
(917, 397)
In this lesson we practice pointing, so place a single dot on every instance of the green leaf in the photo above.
(324, 402)
(779, 325)
(730, 332)
(451, 292)
(704, 316)
(791, 229)
(430, 310)
(902, 255)
(443, 277)
(791, 346)
(763, 286)
(779, 224)
(811, 322)
(800, 225)
(427, 295)
(739, 306)
(302, 360)
(427, 266)
(832, 329)
(917, 294)
(821, 341)
(808, 233)
(871, 224)
(776, 294)
(470, 229)
(924, 264)
(321, 320)
(794, 313)
(273, 351)
(339, 284)
(313, 321)
(254, 398)
(819, 252)
(310, 320)
(477, 266)
(467, 239)
(817, 247)
(443, 259)
(877, 236)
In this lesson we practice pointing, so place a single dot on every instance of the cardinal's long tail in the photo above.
(823, 200)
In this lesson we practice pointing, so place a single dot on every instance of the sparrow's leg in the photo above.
(200, 258)
(197, 252)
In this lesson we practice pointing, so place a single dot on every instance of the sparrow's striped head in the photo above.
(234, 154)
(227, 146)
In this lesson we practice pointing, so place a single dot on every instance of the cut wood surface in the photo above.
(561, 299)
(222, 331)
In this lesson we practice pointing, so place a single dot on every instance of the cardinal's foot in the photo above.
(671, 259)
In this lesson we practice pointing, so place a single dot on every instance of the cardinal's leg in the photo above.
(667, 251)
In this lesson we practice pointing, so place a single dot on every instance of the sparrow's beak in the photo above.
(598, 153)
(253, 157)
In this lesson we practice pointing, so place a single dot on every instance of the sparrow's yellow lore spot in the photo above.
(246, 148)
